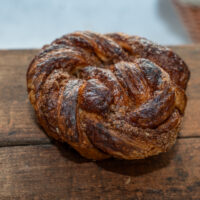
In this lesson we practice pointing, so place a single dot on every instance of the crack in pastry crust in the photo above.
(110, 95)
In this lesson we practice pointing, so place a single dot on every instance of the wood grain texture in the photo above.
(53, 172)
(33, 168)
(18, 124)
(191, 125)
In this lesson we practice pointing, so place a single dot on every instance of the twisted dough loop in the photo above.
(109, 95)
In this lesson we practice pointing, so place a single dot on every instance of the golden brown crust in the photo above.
(109, 95)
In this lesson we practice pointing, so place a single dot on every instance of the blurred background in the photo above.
(33, 23)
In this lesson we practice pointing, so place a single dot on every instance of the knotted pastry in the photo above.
(109, 95)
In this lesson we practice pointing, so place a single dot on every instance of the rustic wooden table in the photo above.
(31, 167)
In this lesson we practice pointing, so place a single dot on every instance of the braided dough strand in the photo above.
(110, 95)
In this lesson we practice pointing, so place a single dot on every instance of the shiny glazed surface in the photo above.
(109, 95)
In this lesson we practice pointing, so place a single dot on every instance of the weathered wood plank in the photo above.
(17, 119)
(52, 172)
(191, 125)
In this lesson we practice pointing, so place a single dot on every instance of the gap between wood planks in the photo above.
(37, 143)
